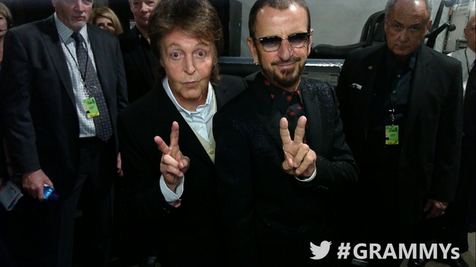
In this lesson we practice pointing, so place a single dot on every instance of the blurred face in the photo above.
(282, 62)
(406, 26)
(3, 26)
(470, 33)
(105, 24)
(141, 10)
(73, 13)
(188, 65)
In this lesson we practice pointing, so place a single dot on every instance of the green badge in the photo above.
(391, 135)
(90, 107)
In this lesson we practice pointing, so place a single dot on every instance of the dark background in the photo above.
(24, 11)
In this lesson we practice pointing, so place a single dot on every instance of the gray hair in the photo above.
(391, 3)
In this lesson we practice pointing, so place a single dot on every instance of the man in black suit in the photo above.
(401, 105)
(63, 87)
(140, 66)
(139, 61)
(274, 191)
(171, 183)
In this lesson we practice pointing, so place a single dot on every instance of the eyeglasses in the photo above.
(273, 43)
(86, 2)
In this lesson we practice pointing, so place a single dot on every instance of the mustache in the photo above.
(291, 60)
(3, 30)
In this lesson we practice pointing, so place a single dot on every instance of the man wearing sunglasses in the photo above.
(280, 148)
(63, 87)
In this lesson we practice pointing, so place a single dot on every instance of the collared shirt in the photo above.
(466, 57)
(201, 121)
(389, 101)
(86, 125)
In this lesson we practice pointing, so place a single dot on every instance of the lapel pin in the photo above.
(356, 86)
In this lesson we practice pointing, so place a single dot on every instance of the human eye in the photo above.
(175, 55)
(415, 28)
(201, 54)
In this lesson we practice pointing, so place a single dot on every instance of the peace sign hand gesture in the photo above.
(173, 164)
(299, 159)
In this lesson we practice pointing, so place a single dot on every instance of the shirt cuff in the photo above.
(170, 196)
(307, 180)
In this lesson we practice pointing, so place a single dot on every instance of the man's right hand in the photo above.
(173, 164)
(33, 183)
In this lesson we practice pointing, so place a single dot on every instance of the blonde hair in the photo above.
(107, 13)
(7, 14)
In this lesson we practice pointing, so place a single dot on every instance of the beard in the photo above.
(283, 78)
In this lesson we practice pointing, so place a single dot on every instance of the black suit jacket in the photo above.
(194, 226)
(269, 216)
(139, 64)
(38, 102)
(431, 143)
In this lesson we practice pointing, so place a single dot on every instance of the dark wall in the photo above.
(24, 11)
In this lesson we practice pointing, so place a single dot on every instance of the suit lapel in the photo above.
(267, 112)
(313, 115)
(187, 137)
(101, 61)
(370, 66)
(138, 56)
(55, 50)
(418, 88)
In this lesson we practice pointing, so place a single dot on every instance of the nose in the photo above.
(403, 35)
(143, 7)
(79, 5)
(285, 51)
(188, 64)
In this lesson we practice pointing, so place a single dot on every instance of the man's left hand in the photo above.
(299, 158)
(436, 208)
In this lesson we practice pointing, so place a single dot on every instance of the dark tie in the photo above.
(294, 111)
(93, 88)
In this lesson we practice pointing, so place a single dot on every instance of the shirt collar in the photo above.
(65, 33)
(168, 90)
(392, 62)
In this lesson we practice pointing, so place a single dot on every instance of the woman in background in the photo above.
(6, 23)
(106, 19)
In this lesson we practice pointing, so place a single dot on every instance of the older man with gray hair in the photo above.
(401, 105)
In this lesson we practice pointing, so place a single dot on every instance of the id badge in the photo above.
(91, 107)
(391, 134)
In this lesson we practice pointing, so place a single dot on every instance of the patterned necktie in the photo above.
(93, 88)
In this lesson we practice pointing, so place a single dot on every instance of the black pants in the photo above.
(42, 233)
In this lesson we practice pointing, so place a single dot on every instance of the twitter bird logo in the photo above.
(321, 251)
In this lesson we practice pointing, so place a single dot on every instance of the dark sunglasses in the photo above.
(273, 43)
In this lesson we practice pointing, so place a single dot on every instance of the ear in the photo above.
(309, 45)
(253, 48)
(130, 5)
(429, 26)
